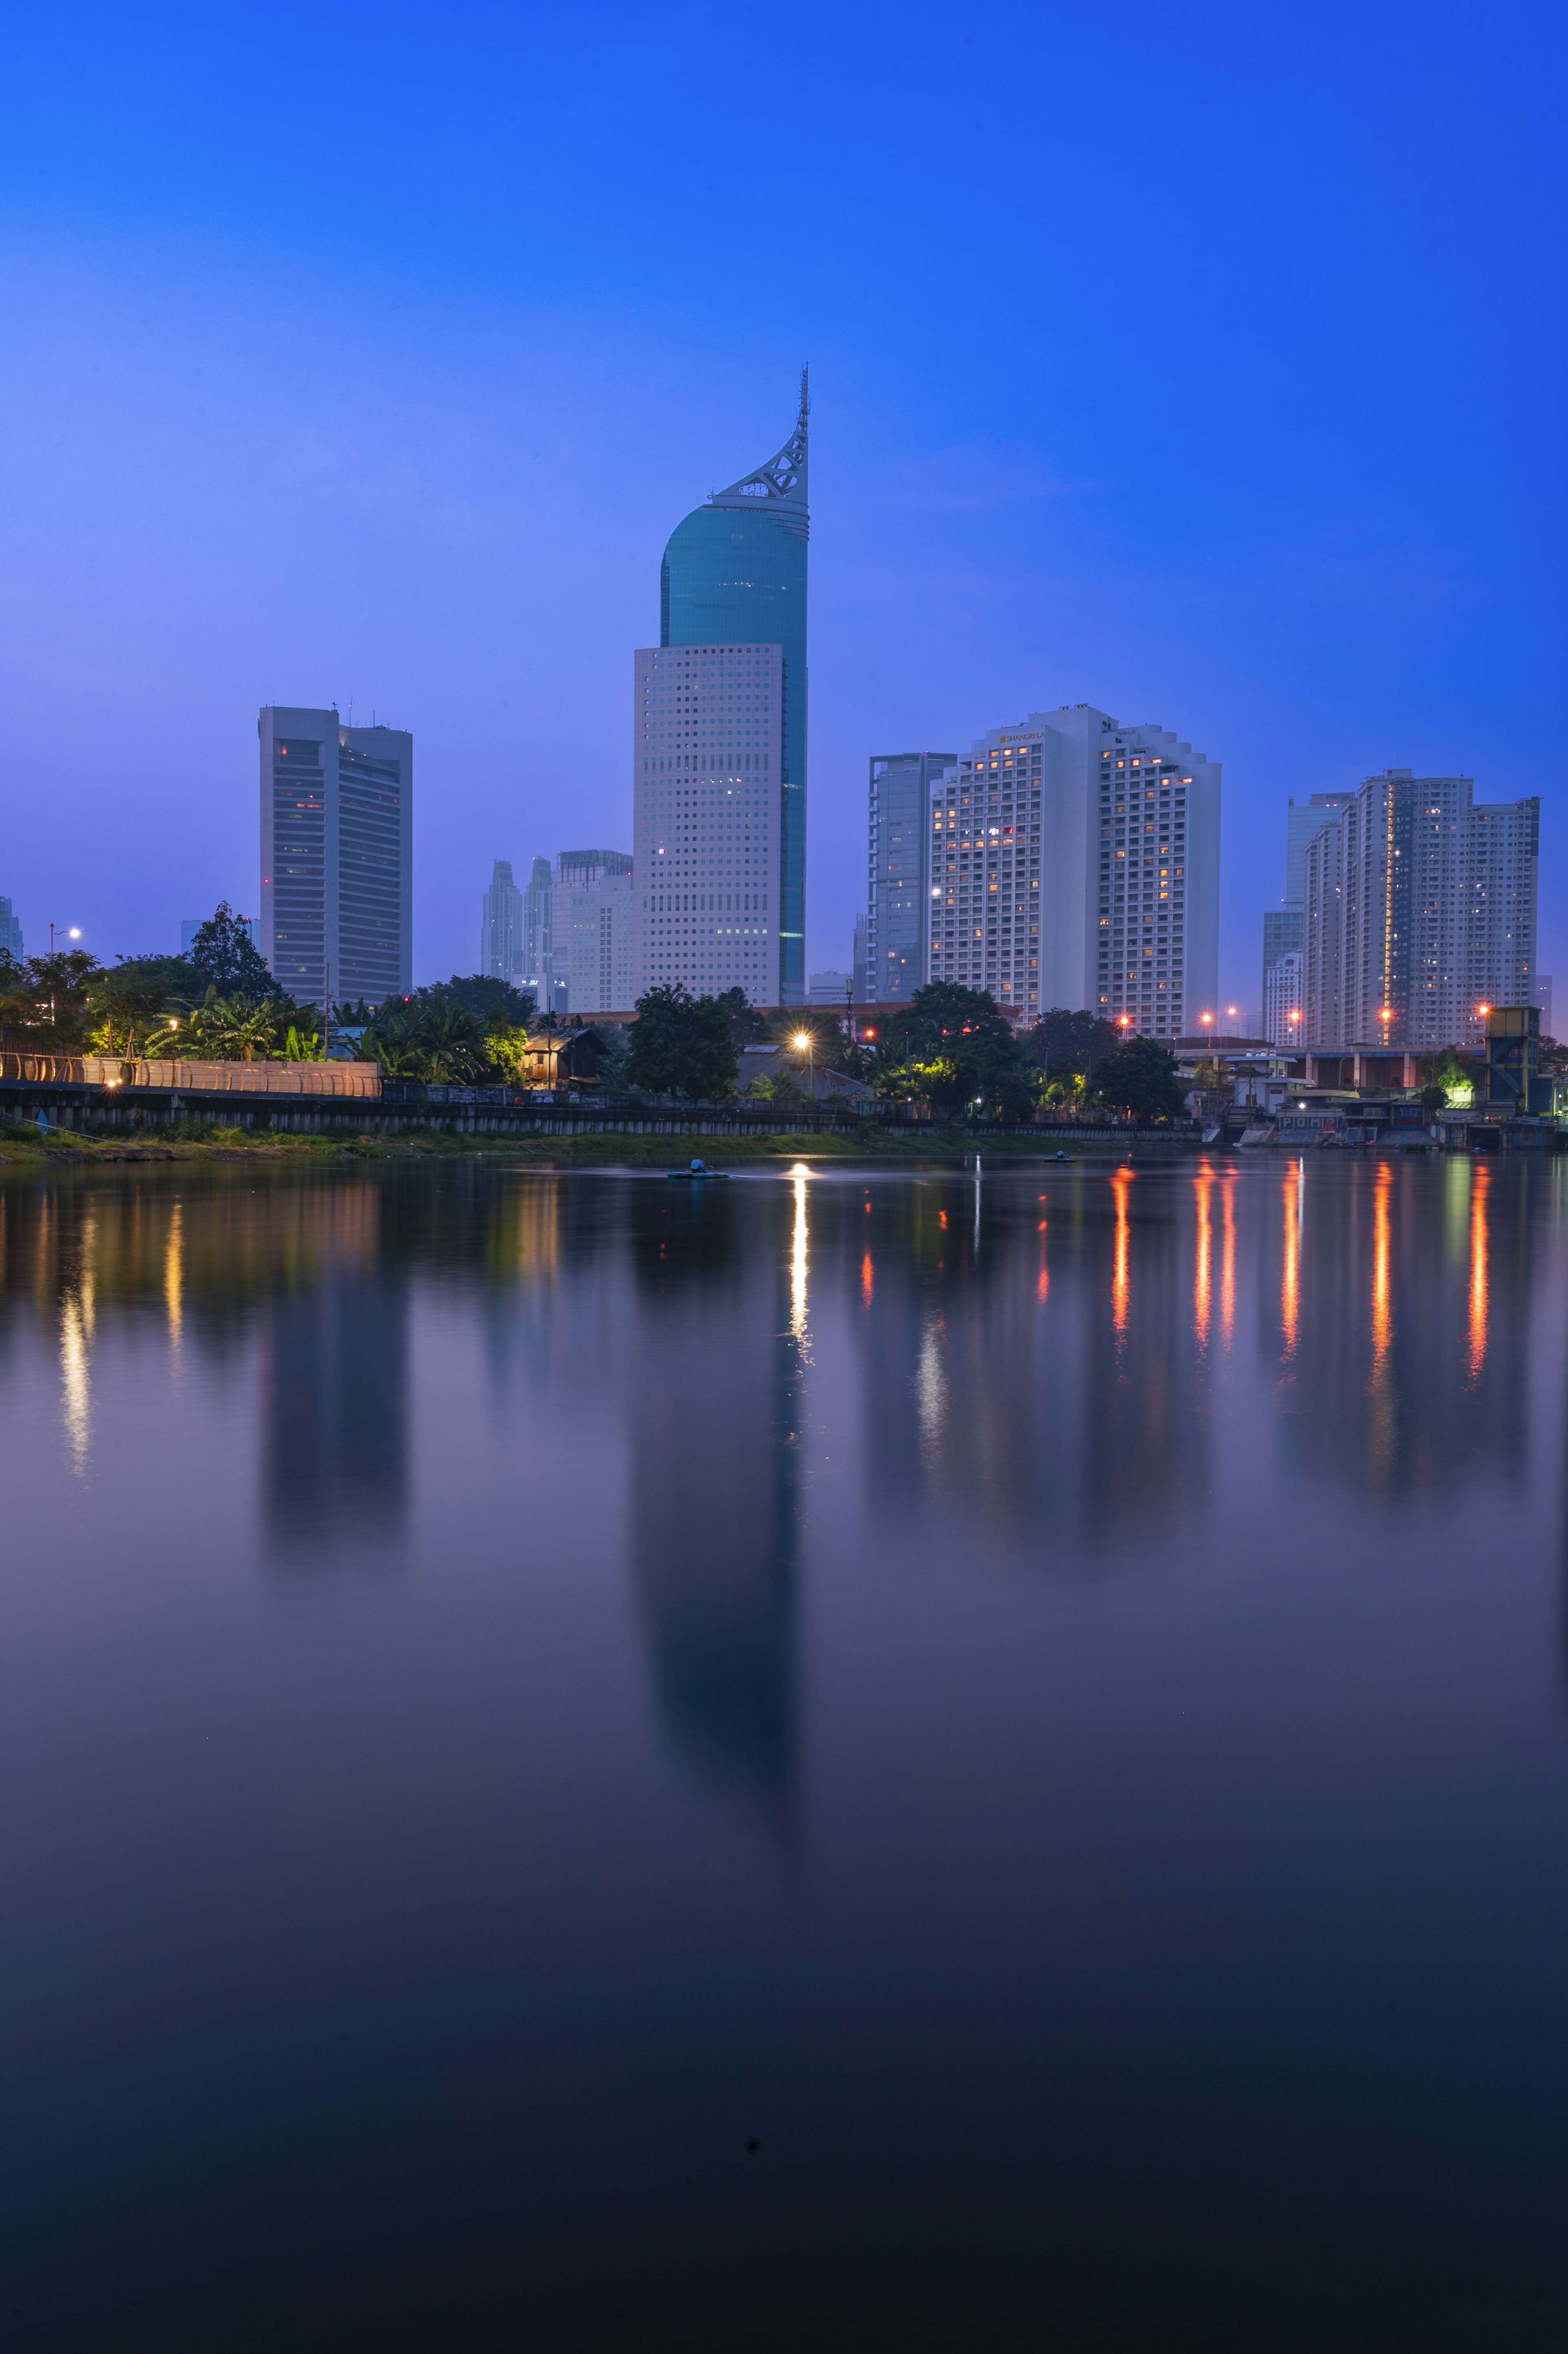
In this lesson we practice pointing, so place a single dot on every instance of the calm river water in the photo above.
(929, 1759)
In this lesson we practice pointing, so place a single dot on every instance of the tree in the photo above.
(683, 1045)
(431, 1036)
(1139, 1078)
(225, 960)
(956, 1048)
(49, 1000)
(1067, 1044)
(498, 1005)
(750, 1023)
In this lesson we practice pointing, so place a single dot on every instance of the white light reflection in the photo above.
(931, 1392)
(76, 1346)
(797, 1325)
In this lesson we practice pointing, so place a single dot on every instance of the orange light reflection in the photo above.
(1228, 1257)
(866, 1283)
(1121, 1285)
(1382, 1299)
(1201, 1183)
(1481, 1179)
(1290, 1278)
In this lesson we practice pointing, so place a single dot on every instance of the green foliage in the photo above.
(1063, 1043)
(1139, 1078)
(748, 1021)
(955, 1048)
(430, 1035)
(47, 1002)
(683, 1045)
(226, 960)
(1433, 1097)
(498, 1005)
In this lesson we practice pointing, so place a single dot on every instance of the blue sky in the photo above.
(1204, 365)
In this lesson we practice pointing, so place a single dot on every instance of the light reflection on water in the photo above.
(1038, 1692)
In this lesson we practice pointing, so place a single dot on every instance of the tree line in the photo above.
(953, 1050)
(950, 1048)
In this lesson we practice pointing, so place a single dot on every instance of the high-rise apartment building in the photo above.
(10, 933)
(1420, 910)
(898, 876)
(593, 955)
(1284, 932)
(337, 842)
(862, 990)
(719, 763)
(500, 955)
(1076, 862)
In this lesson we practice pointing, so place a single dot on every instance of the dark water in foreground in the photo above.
(1039, 1701)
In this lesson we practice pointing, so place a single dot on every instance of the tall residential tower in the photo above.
(337, 842)
(719, 783)
(1076, 862)
(1420, 913)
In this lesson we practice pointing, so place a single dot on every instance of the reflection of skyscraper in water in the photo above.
(715, 1479)
(335, 1441)
(1034, 1359)
(1397, 1307)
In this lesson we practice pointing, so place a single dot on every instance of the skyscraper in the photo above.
(1420, 910)
(1076, 862)
(1284, 932)
(10, 932)
(899, 877)
(538, 936)
(592, 930)
(719, 764)
(500, 927)
(337, 841)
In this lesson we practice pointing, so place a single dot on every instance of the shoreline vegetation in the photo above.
(23, 1147)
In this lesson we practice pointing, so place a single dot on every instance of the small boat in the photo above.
(697, 1168)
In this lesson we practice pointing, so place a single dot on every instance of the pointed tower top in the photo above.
(779, 486)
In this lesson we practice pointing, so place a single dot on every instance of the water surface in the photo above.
(936, 1758)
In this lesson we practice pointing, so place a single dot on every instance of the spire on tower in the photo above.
(781, 483)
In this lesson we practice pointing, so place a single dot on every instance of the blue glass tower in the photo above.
(734, 575)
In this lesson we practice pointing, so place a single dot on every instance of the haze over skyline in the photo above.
(1191, 367)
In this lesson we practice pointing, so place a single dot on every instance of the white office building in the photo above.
(501, 941)
(709, 743)
(1076, 862)
(1420, 911)
(338, 866)
(593, 958)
